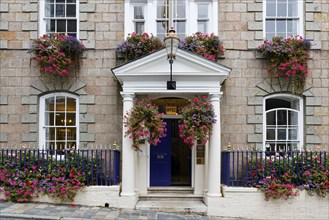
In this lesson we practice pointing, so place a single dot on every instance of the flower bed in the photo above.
(287, 60)
(283, 175)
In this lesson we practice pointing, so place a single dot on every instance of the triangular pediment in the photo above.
(190, 71)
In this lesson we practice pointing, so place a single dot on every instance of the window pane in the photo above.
(61, 26)
(180, 27)
(270, 8)
(71, 145)
(139, 27)
(162, 10)
(180, 11)
(71, 1)
(202, 11)
(162, 27)
(281, 26)
(49, 118)
(60, 1)
(292, 8)
(282, 117)
(49, 103)
(71, 104)
(282, 134)
(50, 25)
(70, 119)
(71, 26)
(61, 134)
(293, 118)
(49, 1)
(70, 11)
(71, 134)
(202, 27)
(49, 10)
(269, 36)
(270, 118)
(138, 12)
(282, 10)
(60, 119)
(50, 134)
(270, 26)
(60, 10)
(60, 103)
(270, 134)
(292, 134)
(292, 26)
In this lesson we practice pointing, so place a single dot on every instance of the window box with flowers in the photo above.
(287, 61)
(144, 122)
(57, 54)
(197, 121)
(138, 45)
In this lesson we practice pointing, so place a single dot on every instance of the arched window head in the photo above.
(283, 123)
(59, 122)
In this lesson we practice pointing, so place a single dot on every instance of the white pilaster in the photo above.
(214, 149)
(128, 168)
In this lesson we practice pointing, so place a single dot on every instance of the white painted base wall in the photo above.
(236, 202)
(89, 196)
(250, 203)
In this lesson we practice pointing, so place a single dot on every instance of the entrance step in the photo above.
(169, 205)
(172, 199)
(171, 189)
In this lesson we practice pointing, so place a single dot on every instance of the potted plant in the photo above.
(287, 60)
(197, 121)
(56, 54)
(144, 122)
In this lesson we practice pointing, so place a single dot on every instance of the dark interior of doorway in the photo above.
(181, 156)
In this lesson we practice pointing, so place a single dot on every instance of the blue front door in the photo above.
(160, 160)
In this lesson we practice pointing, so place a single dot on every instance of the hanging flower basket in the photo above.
(144, 122)
(197, 121)
(57, 54)
(287, 60)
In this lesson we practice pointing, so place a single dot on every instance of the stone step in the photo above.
(181, 190)
(172, 196)
(171, 206)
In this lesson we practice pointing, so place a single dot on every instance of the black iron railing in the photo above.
(100, 166)
(247, 167)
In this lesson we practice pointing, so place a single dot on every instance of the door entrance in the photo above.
(170, 160)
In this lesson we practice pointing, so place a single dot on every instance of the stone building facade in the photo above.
(101, 28)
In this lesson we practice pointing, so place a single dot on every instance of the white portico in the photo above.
(194, 75)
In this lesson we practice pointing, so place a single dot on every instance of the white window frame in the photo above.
(300, 133)
(42, 127)
(151, 16)
(300, 18)
(43, 22)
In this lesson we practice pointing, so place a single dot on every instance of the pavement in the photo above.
(11, 211)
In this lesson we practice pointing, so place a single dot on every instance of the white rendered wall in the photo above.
(249, 203)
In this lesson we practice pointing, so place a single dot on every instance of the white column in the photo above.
(214, 149)
(128, 168)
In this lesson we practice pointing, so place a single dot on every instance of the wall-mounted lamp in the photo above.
(171, 42)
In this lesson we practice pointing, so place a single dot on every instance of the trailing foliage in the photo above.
(287, 60)
(137, 45)
(204, 45)
(144, 122)
(196, 124)
(56, 54)
(282, 176)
